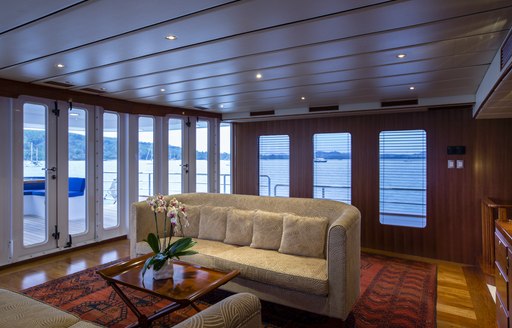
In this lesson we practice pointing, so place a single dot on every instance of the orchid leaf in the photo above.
(153, 242)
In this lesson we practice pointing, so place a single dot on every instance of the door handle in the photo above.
(52, 169)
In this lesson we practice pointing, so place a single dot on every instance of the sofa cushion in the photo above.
(193, 217)
(239, 227)
(304, 274)
(303, 235)
(21, 311)
(267, 230)
(212, 224)
(207, 249)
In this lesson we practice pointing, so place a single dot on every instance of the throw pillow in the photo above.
(212, 224)
(239, 227)
(193, 217)
(267, 230)
(304, 236)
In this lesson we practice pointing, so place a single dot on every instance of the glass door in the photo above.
(202, 159)
(51, 174)
(177, 166)
(34, 222)
(189, 155)
(110, 171)
(146, 163)
(80, 217)
(39, 177)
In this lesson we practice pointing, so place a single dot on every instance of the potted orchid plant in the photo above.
(164, 251)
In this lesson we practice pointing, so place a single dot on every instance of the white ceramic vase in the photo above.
(165, 272)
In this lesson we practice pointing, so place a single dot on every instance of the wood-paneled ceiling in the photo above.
(330, 52)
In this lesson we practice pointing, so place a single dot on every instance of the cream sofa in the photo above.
(19, 311)
(303, 253)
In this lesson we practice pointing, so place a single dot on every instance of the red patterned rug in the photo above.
(394, 293)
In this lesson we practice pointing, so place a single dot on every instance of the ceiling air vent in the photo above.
(323, 109)
(263, 113)
(93, 90)
(201, 107)
(395, 103)
(59, 84)
(506, 51)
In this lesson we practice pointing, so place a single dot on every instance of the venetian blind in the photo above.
(403, 178)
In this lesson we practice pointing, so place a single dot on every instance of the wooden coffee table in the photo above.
(189, 283)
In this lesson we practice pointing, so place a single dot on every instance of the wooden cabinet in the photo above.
(503, 272)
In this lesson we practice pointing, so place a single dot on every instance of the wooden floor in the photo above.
(463, 299)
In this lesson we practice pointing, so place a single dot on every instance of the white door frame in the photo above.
(122, 228)
(56, 190)
(90, 234)
(6, 105)
(50, 245)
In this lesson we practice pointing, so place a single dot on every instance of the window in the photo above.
(225, 158)
(403, 178)
(110, 171)
(202, 128)
(146, 146)
(332, 166)
(274, 164)
(77, 170)
(175, 155)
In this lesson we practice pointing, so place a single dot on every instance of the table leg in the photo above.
(141, 318)
(195, 307)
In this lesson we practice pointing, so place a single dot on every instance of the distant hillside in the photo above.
(77, 145)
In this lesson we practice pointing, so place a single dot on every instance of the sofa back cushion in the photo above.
(212, 224)
(193, 217)
(304, 236)
(267, 230)
(239, 227)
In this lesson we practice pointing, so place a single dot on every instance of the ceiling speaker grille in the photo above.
(59, 84)
(395, 103)
(93, 90)
(263, 113)
(506, 51)
(323, 109)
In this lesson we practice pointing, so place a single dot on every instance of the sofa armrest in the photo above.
(343, 262)
(142, 222)
(237, 311)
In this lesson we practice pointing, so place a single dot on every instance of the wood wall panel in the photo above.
(453, 229)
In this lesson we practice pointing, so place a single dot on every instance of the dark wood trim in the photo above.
(14, 89)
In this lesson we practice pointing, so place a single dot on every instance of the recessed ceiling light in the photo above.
(259, 76)
(302, 98)
(162, 90)
(412, 88)
(401, 56)
(171, 37)
(221, 106)
(60, 65)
